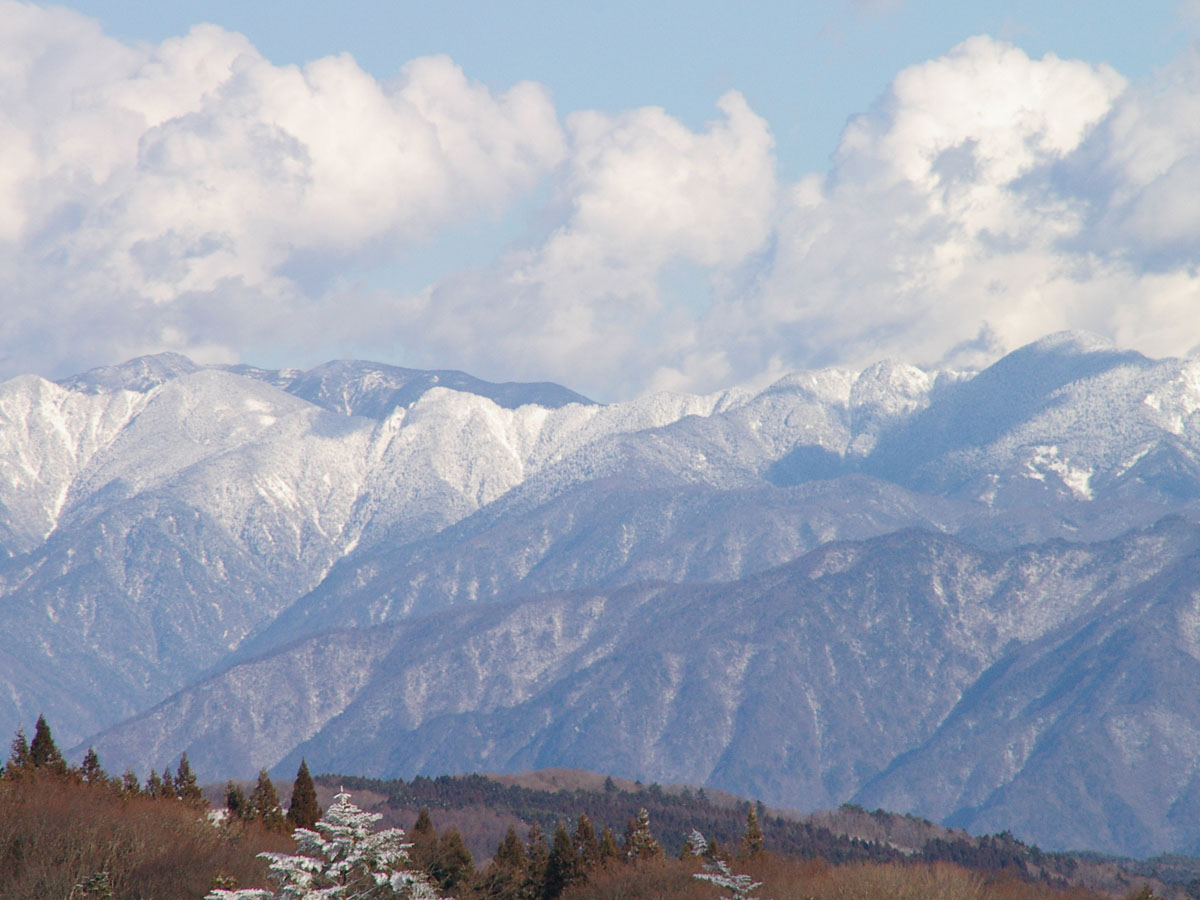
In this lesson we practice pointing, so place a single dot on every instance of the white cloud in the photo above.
(194, 196)
(641, 193)
(988, 199)
(149, 194)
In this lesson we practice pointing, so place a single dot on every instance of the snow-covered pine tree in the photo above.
(717, 871)
(342, 859)
(639, 839)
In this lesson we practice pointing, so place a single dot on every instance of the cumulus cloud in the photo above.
(160, 197)
(193, 196)
(641, 193)
(987, 199)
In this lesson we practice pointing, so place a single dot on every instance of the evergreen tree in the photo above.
(639, 840)
(264, 804)
(166, 789)
(424, 841)
(90, 769)
(452, 864)
(341, 858)
(505, 877)
(587, 848)
(304, 811)
(539, 858)
(752, 840)
(717, 872)
(185, 784)
(19, 760)
(129, 786)
(562, 865)
(609, 852)
(511, 851)
(236, 803)
(43, 752)
(154, 785)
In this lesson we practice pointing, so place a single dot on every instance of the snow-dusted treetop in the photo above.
(342, 859)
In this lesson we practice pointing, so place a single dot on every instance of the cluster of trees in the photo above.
(675, 813)
(74, 831)
(263, 803)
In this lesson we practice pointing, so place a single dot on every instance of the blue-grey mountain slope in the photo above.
(799, 684)
(170, 532)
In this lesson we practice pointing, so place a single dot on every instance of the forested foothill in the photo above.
(75, 831)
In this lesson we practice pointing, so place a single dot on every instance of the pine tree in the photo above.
(90, 769)
(452, 865)
(504, 879)
(717, 872)
(43, 752)
(264, 804)
(424, 841)
(19, 760)
(539, 858)
(562, 865)
(609, 852)
(752, 840)
(236, 803)
(154, 784)
(511, 851)
(342, 858)
(304, 811)
(166, 789)
(587, 848)
(639, 840)
(130, 787)
(185, 784)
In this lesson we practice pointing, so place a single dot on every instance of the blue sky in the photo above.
(634, 197)
(804, 66)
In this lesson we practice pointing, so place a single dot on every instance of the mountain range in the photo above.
(972, 596)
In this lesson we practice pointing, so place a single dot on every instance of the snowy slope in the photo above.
(165, 524)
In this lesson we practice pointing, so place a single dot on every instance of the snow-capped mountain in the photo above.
(797, 592)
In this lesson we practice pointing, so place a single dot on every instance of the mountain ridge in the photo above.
(165, 525)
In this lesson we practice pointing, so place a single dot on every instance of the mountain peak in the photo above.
(140, 374)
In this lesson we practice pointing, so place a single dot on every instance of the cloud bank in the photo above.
(193, 196)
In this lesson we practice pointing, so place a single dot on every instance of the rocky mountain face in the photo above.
(971, 596)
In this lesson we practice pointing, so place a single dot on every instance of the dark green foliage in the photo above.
(185, 784)
(304, 811)
(587, 848)
(507, 876)
(166, 788)
(562, 866)
(609, 851)
(674, 816)
(264, 804)
(236, 802)
(18, 759)
(43, 753)
(539, 861)
(752, 840)
(452, 865)
(154, 784)
(511, 851)
(90, 769)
